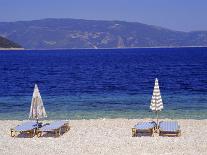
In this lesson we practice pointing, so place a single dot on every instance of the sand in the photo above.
(106, 137)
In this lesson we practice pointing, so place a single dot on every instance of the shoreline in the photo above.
(107, 136)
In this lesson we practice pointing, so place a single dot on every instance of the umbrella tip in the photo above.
(35, 85)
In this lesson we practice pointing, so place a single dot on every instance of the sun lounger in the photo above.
(169, 129)
(55, 127)
(144, 128)
(27, 127)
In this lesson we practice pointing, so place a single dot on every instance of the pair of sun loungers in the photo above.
(164, 128)
(145, 128)
(32, 128)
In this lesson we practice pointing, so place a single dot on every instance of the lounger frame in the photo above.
(57, 131)
(149, 131)
(31, 133)
(170, 133)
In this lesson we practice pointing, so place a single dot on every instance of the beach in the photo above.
(107, 136)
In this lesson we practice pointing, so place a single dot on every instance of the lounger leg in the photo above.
(179, 133)
(30, 133)
(153, 132)
(160, 134)
(39, 134)
(134, 132)
(158, 131)
(57, 133)
(67, 128)
(34, 132)
(13, 133)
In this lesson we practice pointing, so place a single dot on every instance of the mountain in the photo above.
(78, 33)
(5, 43)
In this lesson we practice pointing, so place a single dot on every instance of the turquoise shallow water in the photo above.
(86, 84)
(107, 106)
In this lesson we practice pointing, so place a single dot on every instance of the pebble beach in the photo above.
(106, 136)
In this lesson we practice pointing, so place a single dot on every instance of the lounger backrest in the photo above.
(26, 126)
(53, 125)
(57, 124)
(169, 126)
(145, 125)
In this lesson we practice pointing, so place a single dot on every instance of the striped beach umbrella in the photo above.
(156, 101)
(37, 109)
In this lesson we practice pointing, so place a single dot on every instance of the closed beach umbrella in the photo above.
(156, 101)
(37, 109)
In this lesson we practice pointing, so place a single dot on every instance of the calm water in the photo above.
(87, 84)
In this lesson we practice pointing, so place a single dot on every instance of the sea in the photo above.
(104, 83)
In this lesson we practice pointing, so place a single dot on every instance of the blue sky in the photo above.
(185, 15)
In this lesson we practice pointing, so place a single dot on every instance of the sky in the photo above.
(181, 15)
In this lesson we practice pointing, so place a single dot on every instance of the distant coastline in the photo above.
(57, 33)
(11, 49)
(158, 47)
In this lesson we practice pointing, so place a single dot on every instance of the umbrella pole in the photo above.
(157, 118)
(37, 122)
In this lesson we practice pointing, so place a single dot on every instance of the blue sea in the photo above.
(104, 83)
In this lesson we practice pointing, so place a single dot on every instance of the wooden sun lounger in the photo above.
(169, 129)
(54, 127)
(144, 128)
(27, 127)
